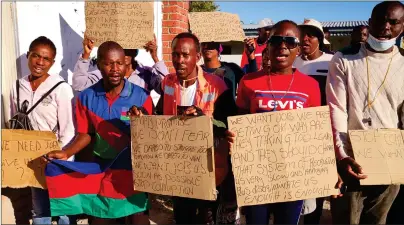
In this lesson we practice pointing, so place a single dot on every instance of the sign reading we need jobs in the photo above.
(21, 163)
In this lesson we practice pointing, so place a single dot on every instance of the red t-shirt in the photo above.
(258, 56)
(254, 92)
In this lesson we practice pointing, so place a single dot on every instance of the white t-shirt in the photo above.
(314, 67)
(188, 94)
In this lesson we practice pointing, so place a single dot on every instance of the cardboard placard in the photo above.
(173, 157)
(380, 153)
(216, 26)
(131, 24)
(21, 163)
(283, 156)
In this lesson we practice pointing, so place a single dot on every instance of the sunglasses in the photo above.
(290, 42)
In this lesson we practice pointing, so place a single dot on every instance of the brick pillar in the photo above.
(175, 21)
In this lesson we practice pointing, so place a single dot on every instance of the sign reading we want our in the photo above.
(283, 156)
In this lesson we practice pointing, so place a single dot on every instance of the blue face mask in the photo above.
(380, 45)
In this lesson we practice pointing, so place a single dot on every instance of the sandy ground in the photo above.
(161, 212)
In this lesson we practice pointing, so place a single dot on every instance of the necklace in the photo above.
(370, 102)
(273, 96)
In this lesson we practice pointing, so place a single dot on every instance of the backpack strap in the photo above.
(44, 96)
(17, 87)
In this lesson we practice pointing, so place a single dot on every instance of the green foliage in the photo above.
(203, 6)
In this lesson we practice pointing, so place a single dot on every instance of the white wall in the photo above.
(8, 56)
(64, 24)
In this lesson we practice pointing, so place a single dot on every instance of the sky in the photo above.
(253, 12)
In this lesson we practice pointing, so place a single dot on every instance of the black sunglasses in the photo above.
(290, 42)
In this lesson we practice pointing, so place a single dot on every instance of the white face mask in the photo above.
(380, 45)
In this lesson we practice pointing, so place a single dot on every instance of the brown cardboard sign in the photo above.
(380, 153)
(216, 26)
(283, 156)
(130, 24)
(173, 157)
(21, 162)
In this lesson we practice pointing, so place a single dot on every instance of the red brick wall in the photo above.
(175, 21)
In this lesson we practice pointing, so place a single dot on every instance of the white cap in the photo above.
(316, 24)
(265, 23)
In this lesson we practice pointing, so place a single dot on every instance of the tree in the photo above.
(203, 6)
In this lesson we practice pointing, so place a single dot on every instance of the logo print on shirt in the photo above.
(284, 104)
(124, 115)
(268, 100)
(46, 101)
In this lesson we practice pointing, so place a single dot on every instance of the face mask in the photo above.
(379, 45)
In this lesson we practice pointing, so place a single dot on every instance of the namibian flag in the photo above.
(100, 189)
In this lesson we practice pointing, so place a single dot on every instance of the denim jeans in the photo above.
(367, 205)
(284, 213)
(41, 213)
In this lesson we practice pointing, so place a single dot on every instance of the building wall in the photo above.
(175, 21)
(64, 24)
(339, 42)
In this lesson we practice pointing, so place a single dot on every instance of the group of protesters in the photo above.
(363, 85)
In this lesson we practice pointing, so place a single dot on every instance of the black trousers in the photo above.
(194, 211)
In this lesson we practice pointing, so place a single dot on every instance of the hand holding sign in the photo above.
(88, 45)
(352, 168)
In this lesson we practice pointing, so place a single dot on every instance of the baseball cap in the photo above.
(314, 23)
(265, 23)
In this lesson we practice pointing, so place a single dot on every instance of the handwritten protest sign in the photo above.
(21, 163)
(128, 23)
(173, 157)
(216, 26)
(381, 155)
(283, 156)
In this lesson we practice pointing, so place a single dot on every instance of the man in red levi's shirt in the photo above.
(254, 46)
(281, 89)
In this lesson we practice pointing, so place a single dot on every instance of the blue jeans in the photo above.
(284, 213)
(41, 213)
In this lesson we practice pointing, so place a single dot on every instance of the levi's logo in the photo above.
(284, 104)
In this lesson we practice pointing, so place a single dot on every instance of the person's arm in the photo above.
(337, 98)
(336, 92)
(82, 78)
(252, 66)
(64, 104)
(82, 139)
(158, 72)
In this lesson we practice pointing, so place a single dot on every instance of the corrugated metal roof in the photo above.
(344, 23)
(329, 24)
(250, 26)
(336, 28)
